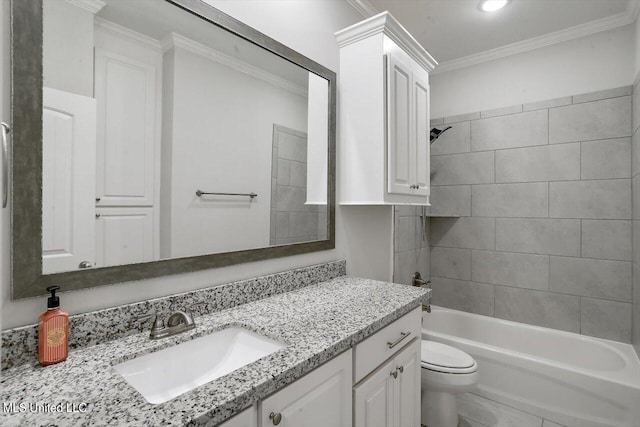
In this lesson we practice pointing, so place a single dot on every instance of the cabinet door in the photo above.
(400, 167)
(373, 399)
(407, 386)
(246, 418)
(126, 96)
(319, 399)
(124, 236)
(421, 132)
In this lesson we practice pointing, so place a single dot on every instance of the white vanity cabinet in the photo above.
(375, 383)
(320, 398)
(389, 394)
(384, 114)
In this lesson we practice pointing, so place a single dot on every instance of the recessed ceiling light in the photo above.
(492, 5)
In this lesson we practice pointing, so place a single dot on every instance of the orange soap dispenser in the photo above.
(53, 332)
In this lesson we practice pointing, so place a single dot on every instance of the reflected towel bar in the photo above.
(202, 193)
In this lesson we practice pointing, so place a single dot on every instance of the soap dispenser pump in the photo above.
(53, 332)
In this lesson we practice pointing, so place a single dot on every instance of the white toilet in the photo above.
(446, 372)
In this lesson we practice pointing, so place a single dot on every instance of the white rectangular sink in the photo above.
(167, 373)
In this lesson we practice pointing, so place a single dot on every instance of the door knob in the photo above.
(85, 264)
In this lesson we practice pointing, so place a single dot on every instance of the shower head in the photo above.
(435, 133)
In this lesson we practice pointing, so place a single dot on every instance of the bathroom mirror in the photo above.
(161, 137)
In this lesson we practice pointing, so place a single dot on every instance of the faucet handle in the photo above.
(180, 317)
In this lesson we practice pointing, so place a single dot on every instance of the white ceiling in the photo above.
(455, 29)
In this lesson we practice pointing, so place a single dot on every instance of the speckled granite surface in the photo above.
(317, 322)
(19, 345)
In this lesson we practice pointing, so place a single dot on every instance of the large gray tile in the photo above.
(292, 147)
(490, 413)
(635, 153)
(284, 171)
(609, 118)
(462, 295)
(605, 159)
(597, 199)
(501, 111)
(547, 423)
(556, 102)
(511, 200)
(606, 319)
(538, 236)
(607, 239)
(303, 224)
(282, 225)
(635, 307)
(455, 140)
(515, 130)
(405, 265)
(591, 278)
(468, 232)
(635, 197)
(292, 199)
(437, 121)
(636, 242)
(465, 422)
(635, 107)
(548, 163)
(462, 117)
(469, 168)
(452, 200)
(451, 263)
(407, 236)
(538, 308)
(602, 94)
(298, 174)
(511, 269)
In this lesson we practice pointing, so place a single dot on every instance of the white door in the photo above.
(399, 139)
(407, 386)
(421, 131)
(319, 399)
(126, 95)
(68, 180)
(373, 399)
(124, 236)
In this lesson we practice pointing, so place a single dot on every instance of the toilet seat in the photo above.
(443, 358)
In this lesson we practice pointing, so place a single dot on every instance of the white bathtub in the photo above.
(564, 377)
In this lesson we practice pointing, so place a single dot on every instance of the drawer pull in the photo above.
(275, 418)
(394, 374)
(403, 335)
(401, 368)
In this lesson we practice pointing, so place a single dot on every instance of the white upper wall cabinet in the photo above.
(384, 114)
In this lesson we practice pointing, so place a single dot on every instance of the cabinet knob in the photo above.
(275, 418)
(97, 199)
(401, 368)
(97, 215)
(394, 374)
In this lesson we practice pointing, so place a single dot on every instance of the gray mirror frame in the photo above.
(27, 279)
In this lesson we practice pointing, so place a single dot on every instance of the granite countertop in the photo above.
(316, 322)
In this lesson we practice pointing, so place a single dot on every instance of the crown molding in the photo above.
(614, 21)
(172, 40)
(364, 7)
(93, 6)
(124, 32)
(385, 23)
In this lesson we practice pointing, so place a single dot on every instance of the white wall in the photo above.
(68, 48)
(596, 62)
(305, 25)
(223, 136)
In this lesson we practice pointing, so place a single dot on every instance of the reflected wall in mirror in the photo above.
(167, 138)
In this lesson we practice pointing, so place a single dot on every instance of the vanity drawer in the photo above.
(370, 353)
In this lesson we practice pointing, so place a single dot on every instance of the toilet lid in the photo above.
(441, 355)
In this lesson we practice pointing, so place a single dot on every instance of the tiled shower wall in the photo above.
(635, 185)
(411, 244)
(543, 195)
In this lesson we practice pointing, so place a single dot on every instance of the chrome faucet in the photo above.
(175, 323)
(419, 282)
